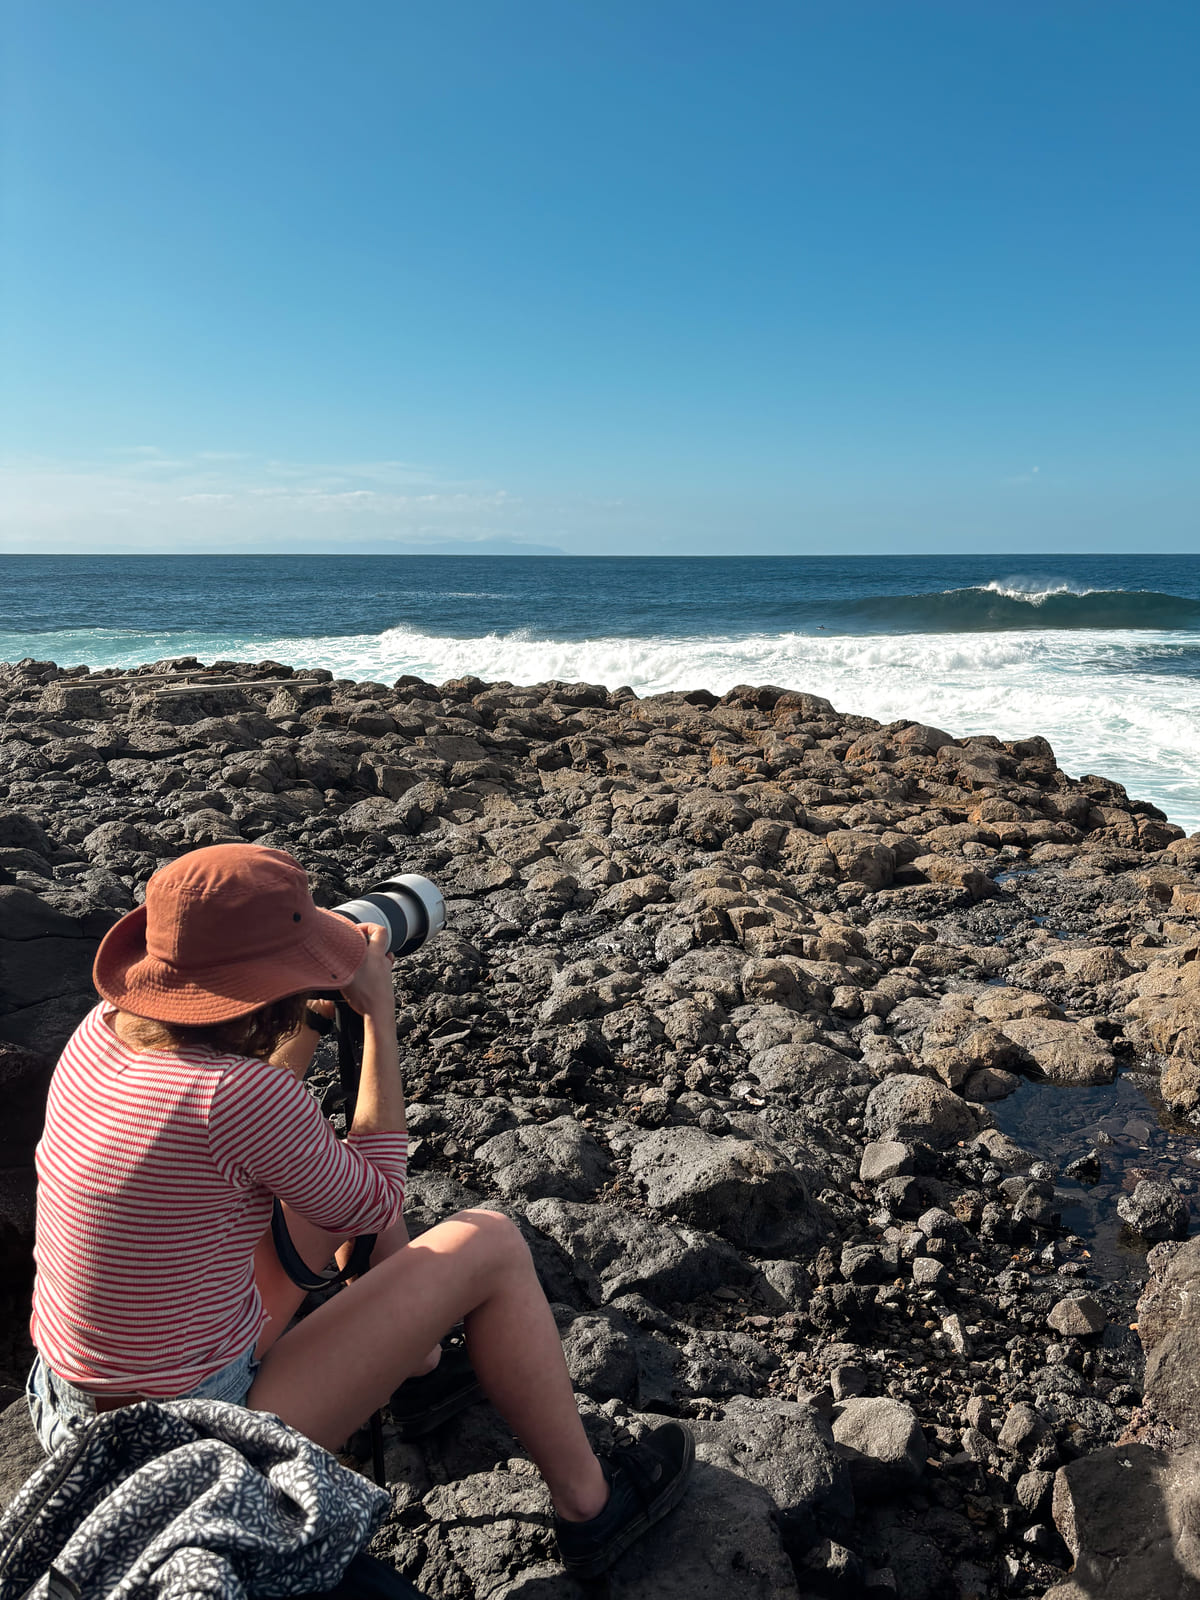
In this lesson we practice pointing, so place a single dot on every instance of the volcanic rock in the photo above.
(746, 1191)
(1077, 1315)
(905, 1107)
(1155, 1210)
(883, 1444)
(886, 1158)
(541, 1159)
(788, 1450)
(602, 1356)
(616, 1251)
(1129, 1516)
(1062, 1052)
(1024, 1427)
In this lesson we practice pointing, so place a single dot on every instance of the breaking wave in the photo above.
(1007, 606)
(1110, 676)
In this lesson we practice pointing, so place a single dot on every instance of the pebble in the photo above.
(928, 1273)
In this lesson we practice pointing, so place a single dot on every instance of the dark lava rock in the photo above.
(1128, 1515)
(788, 1450)
(883, 1444)
(21, 832)
(20, 1452)
(905, 1107)
(744, 1190)
(1155, 1210)
(616, 1251)
(1078, 1315)
(601, 1355)
(542, 1159)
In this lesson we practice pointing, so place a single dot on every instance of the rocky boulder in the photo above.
(715, 969)
(541, 1159)
(24, 1081)
(1169, 1329)
(615, 1252)
(882, 1442)
(801, 1066)
(1062, 1052)
(20, 1452)
(744, 1190)
(773, 983)
(1155, 1210)
(1163, 1016)
(789, 1451)
(862, 858)
(1077, 1316)
(46, 960)
(723, 1540)
(708, 819)
(1130, 1516)
(117, 842)
(484, 1529)
(21, 832)
(905, 1107)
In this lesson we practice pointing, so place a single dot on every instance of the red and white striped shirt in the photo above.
(155, 1179)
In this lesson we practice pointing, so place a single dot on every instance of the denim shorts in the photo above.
(59, 1409)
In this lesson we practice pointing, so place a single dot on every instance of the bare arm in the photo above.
(380, 1107)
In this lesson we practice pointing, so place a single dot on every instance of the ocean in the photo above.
(1099, 654)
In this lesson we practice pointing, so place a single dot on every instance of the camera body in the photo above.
(410, 907)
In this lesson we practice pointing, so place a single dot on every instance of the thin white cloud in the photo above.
(140, 494)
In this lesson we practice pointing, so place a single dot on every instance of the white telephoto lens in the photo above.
(410, 908)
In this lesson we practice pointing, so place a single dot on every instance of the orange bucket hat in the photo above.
(223, 931)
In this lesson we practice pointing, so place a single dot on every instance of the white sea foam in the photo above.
(1081, 689)
(1076, 689)
(1033, 590)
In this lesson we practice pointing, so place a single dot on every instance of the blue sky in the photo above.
(610, 276)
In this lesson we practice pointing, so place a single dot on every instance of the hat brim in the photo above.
(135, 981)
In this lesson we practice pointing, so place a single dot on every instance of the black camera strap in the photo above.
(349, 1029)
(298, 1270)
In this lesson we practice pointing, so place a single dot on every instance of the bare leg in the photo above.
(282, 1298)
(376, 1333)
(387, 1244)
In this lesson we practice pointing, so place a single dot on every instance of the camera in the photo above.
(411, 908)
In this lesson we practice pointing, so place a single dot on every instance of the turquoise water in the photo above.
(1099, 654)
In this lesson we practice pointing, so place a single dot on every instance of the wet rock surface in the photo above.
(749, 1012)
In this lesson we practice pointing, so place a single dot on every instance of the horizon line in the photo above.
(571, 555)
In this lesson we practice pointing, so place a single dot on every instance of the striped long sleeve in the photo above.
(156, 1173)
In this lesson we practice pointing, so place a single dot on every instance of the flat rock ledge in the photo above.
(729, 989)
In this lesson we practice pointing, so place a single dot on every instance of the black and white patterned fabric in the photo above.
(192, 1498)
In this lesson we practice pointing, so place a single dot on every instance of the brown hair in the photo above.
(258, 1033)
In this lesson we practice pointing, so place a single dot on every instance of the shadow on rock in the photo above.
(1130, 1517)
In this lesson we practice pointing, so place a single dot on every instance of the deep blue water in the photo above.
(1100, 654)
(568, 598)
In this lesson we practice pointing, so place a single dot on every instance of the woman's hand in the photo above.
(370, 989)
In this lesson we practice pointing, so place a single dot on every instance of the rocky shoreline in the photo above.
(732, 996)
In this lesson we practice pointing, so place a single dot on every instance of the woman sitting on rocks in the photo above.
(177, 1112)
